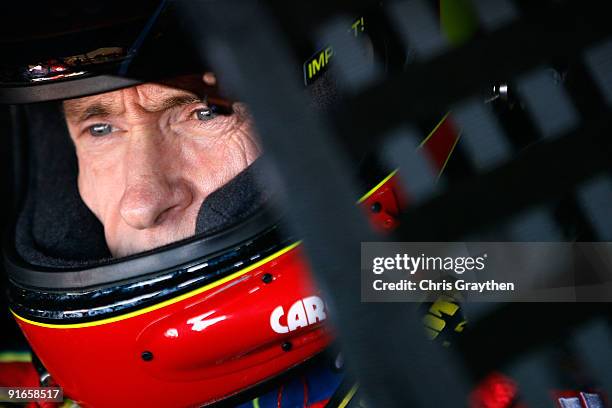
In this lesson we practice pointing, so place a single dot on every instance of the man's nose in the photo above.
(154, 186)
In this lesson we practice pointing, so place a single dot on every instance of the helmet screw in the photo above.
(376, 207)
(147, 356)
(267, 278)
(286, 346)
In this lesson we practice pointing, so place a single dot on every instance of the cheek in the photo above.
(210, 166)
(100, 183)
(249, 142)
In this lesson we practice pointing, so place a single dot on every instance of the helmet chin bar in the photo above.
(197, 347)
(108, 273)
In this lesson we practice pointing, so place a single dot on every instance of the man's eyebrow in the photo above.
(82, 111)
(173, 101)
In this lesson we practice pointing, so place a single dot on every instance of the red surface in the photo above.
(391, 200)
(440, 144)
(495, 391)
(233, 348)
(18, 374)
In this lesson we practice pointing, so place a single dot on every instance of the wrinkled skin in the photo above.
(149, 155)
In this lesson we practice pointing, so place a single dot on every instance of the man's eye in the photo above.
(100, 129)
(204, 114)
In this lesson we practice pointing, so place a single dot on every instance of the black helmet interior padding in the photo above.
(56, 229)
(236, 201)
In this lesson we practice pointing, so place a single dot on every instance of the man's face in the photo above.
(149, 155)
